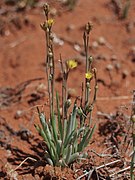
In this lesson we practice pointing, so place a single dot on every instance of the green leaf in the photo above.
(69, 152)
(69, 138)
(90, 136)
(59, 116)
(54, 128)
(69, 127)
(46, 134)
(86, 138)
(81, 144)
(73, 117)
(73, 157)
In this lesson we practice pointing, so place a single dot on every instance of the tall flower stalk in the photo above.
(65, 138)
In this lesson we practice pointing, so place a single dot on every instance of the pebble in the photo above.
(113, 57)
(77, 47)
(95, 44)
(101, 57)
(70, 27)
(125, 73)
(109, 67)
(53, 12)
(101, 41)
(18, 114)
(57, 40)
(132, 53)
(117, 66)
(72, 92)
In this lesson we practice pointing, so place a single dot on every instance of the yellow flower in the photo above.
(50, 22)
(88, 75)
(71, 63)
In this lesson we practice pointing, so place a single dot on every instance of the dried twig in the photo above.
(28, 158)
(113, 98)
(120, 171)
(99, 167)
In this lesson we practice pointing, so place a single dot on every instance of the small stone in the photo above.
(133, 49)
(8, 153)
(7, 33)
(130, 27)
(77, 47)
(109, 67)
(101, 57)
(117, 66)
(18, 114)
(53, 12)
(70, 27)
(125, 73)
(71, 92)
(95, 45)
(101, 41)
(57, 40)
(25, 134)
(131, 54)
(113, 58)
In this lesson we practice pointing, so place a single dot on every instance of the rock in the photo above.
(53, 12)
(117, 66)
(18, 114)
(101, 57)
(101, 41)
(57, 40)
(113, 58)
(77, 47)
(71, 92)
(109, 67)
(70, 27)
(95, 45)
(125, 73)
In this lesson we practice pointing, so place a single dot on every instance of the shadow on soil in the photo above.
(26, 163)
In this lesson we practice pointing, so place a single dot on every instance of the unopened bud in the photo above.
(50, 54)
(90, 58)
(50, 77)
(88, 27)
(46, 9)
(133, 118)
(88, 85)
(68, 103)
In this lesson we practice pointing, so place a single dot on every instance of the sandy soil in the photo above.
(23, 85)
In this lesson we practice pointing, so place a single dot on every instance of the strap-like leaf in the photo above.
(73, 157)
(90, 136)
(81, 144)
(59, 116)
(54, 128)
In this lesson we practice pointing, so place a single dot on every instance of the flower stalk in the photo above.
(65, 138)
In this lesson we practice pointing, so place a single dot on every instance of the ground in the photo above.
(23, 85)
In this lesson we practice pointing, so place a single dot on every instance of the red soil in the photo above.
(22, 58)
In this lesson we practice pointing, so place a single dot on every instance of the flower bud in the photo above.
(133, 118)
(88, 27)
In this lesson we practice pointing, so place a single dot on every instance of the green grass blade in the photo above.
(90, 136)
(69, 152)
(81, 144)
(54, 128)
(73, 157)
(59, 116)
(69, 138)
